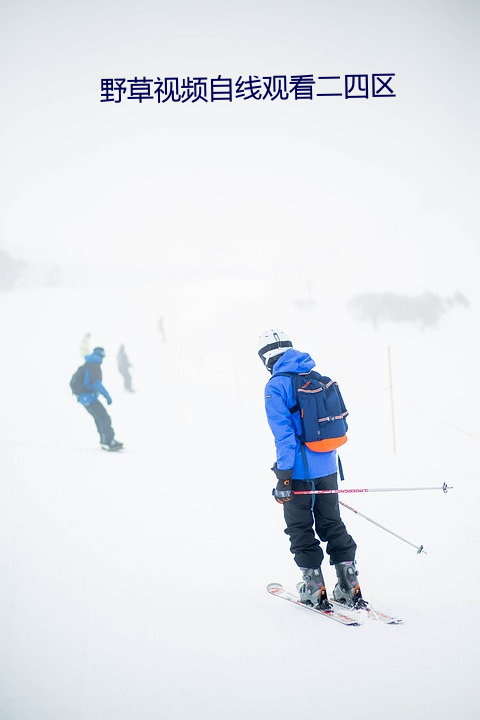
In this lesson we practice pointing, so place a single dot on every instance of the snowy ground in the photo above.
(133, 585)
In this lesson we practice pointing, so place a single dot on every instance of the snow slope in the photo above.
(133, 585)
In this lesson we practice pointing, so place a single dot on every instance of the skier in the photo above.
(85, 345)
(161, 329)
(88, 397)
(308, 518)
(123, 364)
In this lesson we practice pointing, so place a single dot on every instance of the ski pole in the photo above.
(443, 487)
(419, 548)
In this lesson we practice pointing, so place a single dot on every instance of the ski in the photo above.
(371, 613)
(337, 614)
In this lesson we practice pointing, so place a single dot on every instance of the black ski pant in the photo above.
(102, 421)
(310, 517)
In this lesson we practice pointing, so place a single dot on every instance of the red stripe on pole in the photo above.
(443, 487)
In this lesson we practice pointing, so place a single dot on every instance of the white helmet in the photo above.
(271, 344)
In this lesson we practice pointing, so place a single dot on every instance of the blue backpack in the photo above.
(322, 411)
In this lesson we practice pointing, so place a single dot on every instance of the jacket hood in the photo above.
(293, 361)
(93, 358)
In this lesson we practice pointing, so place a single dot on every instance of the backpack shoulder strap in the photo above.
(86, 376)
(293, 377)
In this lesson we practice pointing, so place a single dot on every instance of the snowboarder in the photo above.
(88, 397)
(123, 364)
(309, 518)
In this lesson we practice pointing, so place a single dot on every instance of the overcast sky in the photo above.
(383, 185)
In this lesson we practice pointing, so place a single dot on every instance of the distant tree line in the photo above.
(11, 270)
(426, 309)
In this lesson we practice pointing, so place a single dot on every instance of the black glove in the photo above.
(283, 492)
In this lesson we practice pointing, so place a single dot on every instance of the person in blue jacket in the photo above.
(309, 518)
(92, 388)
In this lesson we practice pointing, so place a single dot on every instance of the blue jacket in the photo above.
(285, 426)
(93, 381)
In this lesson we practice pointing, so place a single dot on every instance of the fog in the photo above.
(133, 586)
(379, 186)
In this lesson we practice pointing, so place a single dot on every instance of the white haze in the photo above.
(378, 187)
(132, 586)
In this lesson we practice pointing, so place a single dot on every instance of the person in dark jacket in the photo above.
(92, 388)
(309, 518)
(124, 366)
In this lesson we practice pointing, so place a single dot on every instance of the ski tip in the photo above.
(383, 617)
(274, 587)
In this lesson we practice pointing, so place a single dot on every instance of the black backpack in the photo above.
(77, 382)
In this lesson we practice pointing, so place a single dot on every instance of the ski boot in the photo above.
(347, 590)
(312, 589)
(112, 446)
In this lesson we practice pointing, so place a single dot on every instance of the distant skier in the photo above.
(124, 366)
(85, 345)
(87, 385)
(300, 468)
(161, 329)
